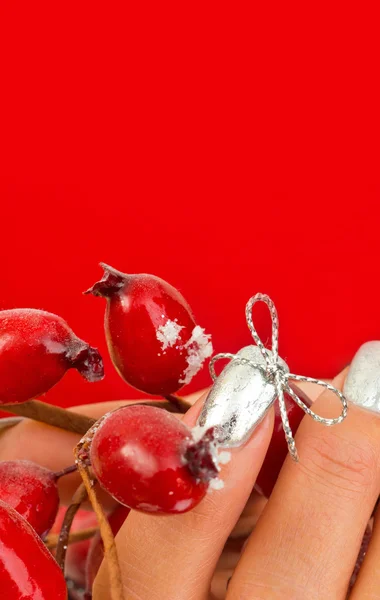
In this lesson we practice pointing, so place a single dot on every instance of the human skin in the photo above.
(304, 544)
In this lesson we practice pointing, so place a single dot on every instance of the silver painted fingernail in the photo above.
(239, 399)
(362, 385)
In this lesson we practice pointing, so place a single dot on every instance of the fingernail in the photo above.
(239, 399)
(362, 385)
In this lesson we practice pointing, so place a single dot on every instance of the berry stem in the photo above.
(51, 541)
(179, 403)
(168, 405)
(66, 471)
(111, 283)
(63, 537)
(110, 551)
(51, 415)
(66, 419)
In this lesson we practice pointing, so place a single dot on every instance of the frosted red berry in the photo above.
(27, 569)
(147, 459)
(32, 491)
(152, 336)
(36, 350)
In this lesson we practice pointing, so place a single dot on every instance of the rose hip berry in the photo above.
(32, 491)
(27, 569)
(36, 349)
(152, 337)
(147, 459)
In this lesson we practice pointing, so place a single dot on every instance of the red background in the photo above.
(227, 150)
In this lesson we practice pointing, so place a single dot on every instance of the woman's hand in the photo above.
(305, 543)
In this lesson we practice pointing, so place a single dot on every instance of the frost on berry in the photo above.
(198, 348)
(224, 457)
(168, 334)
(216, 484)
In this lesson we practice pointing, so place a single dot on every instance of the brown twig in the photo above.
(67, 419)
(179, 403)
(63, 537)
(51, 541)
(166, 405)
(110, 551)
(66, 471)
(52, 415)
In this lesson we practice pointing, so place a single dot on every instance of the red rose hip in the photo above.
(147, 459)
(27, 569)
(152, 337)
(32, 491)
(36, 350)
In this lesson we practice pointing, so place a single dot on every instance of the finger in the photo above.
(249, 516)
(235, 544)
(306, 542)
(175, 557)
(51, 447)
(219, 584)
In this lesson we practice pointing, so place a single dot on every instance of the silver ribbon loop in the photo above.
(277, 374)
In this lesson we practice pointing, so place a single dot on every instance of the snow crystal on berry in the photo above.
(215, 484)
(168, 334)
(224, 457)
(199, 347)
(197, 432)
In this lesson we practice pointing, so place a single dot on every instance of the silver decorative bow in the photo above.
(276, 374)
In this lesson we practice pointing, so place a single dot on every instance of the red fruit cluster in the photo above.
(143, 456)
